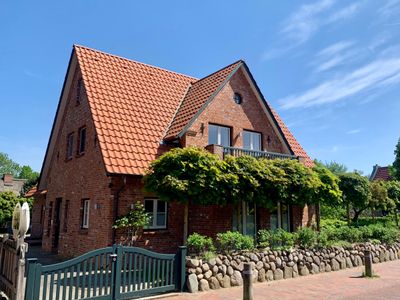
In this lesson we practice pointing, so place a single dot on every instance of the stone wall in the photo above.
(226, 270)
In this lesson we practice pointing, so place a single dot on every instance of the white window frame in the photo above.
(219, 139)
(154, 214)
(252, 135)
(85, 215)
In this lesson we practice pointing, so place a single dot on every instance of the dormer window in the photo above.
(237, 98)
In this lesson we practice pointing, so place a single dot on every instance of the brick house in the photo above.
(380, 173)
(9, 183)
(115, 116)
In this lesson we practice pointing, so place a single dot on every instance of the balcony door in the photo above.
(219, 135)
(251, 140)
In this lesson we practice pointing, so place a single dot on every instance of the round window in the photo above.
(238, 98)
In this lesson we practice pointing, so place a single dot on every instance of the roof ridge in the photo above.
(213, 73)
(177, 110)
(135, 61)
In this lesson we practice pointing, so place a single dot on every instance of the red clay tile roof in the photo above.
(381, 173)
(197, 96)
(134, 106)
(293, 143)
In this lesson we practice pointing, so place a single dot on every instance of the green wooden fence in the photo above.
(113, 273)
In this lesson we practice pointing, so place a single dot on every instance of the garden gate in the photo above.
(113, 273)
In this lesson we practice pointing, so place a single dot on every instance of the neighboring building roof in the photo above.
(380, 173)
(34, 192)
(135, 106)
(9, 183)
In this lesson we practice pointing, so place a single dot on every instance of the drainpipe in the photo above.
(116, 208)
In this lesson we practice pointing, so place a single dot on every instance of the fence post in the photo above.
(368, 262)
(181, 267)
(20, 288)
(247, 282)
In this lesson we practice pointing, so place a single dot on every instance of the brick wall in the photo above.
(75, 179)
(247, 116)
(161, 240)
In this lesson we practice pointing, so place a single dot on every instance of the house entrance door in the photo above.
(56, 224)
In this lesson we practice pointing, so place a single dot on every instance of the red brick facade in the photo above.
(70, 181)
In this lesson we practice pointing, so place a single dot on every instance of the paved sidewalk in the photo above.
(345, 284)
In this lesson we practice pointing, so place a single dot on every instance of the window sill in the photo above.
(68, 159)
(155, 231)
(80, 154)
(84, 231)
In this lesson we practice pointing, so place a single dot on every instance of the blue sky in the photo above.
(330, 68)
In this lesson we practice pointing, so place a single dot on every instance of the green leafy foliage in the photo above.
(233, 241)
(306, 237)
(356, 192)
(8, 200)
(379, 196)
(199, 244)
(8, 166)
(190, 174)
(328, 192)
(396, 163)
(133, 222)
(276, 239)
(333, 166)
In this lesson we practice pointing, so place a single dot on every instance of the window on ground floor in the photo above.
(85, 213)
(244, 219)
(157, 211)
(280, 217)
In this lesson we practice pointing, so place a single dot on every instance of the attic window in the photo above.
(237, 98)
(79, 91)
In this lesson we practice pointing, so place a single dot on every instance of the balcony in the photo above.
(222, 151)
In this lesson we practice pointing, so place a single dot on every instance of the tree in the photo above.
(329, 193)
(396, 163)
(333, 166)
(356, 192)
(299, 184)
(393, 190)
(30, 176)
(190, 175)
(8, 166)
(379, 196)
(132, 223)
(8, 200)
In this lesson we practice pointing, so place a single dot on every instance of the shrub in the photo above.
(349, 234)
(264, 237)
(323, 239)
(282, 239)
(234, 241)
(306, 237)
(199, 244)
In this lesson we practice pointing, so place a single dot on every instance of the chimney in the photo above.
(8, 178)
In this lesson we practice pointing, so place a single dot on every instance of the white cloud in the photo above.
(301, 25)
(354, 131)
(390, 8)
(334, 55)
(344, 13)
(379, 73)
(304, 22)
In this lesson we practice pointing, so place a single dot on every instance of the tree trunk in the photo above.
(348, 213)
(185, 222)
(318, 216)
(356, 215)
